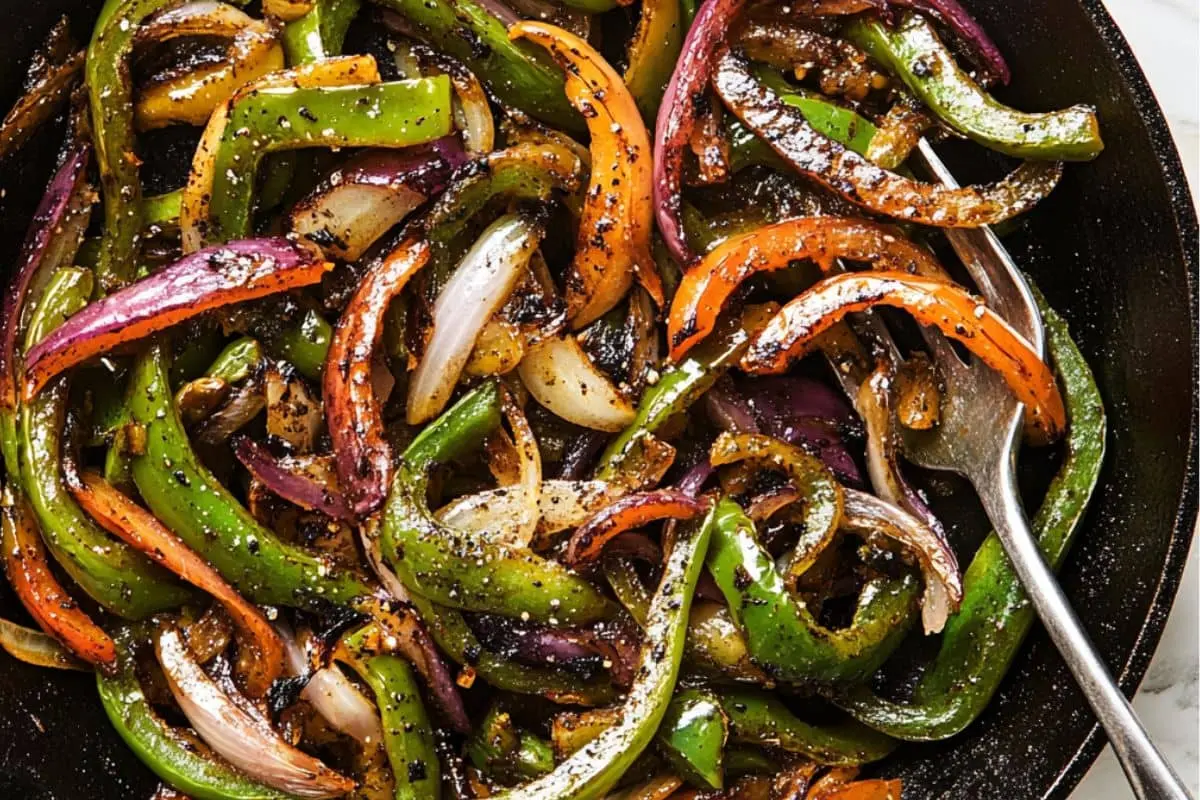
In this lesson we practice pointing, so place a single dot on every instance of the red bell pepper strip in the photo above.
(40, 592)
(704, 290)
(211, 278)
(363, 456)
(613, 243)
(957, 313)
(136, 526)
(631, 511)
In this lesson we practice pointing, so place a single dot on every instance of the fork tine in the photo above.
(945, 356)
(989, 263)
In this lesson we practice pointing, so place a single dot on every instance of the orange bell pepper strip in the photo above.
(959, 314)
(613, 243)
(631, 511)
(260, 648)
(862, 790)
(706, 289)
(40, 592)
(361, 452)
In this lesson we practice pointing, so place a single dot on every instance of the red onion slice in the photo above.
(478, 288)
(303, 481)
(244, 740)
(866, 514)
(53, 237)
(211, 278)
(677, 117)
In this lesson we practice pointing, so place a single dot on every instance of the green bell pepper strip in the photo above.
(600, 764)
(714, 643)
(783, 637)
(692, 738)
(504, 753)
(982, 639)
(110, 572)
(237, 361)
(520, 75)
(748, 761)
(162, 210)
(454, 636)
(110, 91)
(395, 114)
(407, 731)
(189, 500)
(757, 717)
(320, 33)
(462, 570)
(652, 55)
(305, 345)
(170, 754)
(676, 389)
(913, 52)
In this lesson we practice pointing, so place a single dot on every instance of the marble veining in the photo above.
(1164, 37)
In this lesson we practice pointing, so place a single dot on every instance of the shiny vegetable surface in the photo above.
(428, 412)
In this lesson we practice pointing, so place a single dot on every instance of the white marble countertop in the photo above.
(1165, 36)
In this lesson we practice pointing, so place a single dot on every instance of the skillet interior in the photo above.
(1114, 248)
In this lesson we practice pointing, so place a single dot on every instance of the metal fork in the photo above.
(978, 438)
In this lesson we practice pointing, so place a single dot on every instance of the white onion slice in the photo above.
(334, 696)
(369, 534)
(352, 216)
(561, 505)
(477, 289)
(561, 377)
(866, 513)
(248, 743)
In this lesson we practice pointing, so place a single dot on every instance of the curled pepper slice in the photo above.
(110, 92)
(820, 493)
(55, 611)
(272, 120)
(190, 98)
(464, 570)
(913, 51)
(854, 177)
(363, 456)
(982, 639)
(261, 651)
(783, 637)
(931, 302)
(407, 731)
(597, 767)
(181, 492)
(631, 511)
(198, 192)
(705, 290)
(613, 243)
(757, 717)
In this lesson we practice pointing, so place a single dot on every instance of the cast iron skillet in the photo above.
(1114, 248)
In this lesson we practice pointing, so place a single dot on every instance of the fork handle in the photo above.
(1149, 774)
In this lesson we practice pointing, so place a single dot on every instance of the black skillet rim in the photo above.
(1184, 527)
